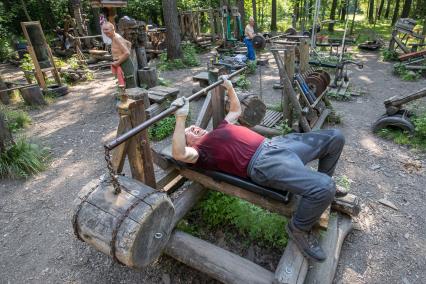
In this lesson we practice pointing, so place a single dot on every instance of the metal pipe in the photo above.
(134, 131)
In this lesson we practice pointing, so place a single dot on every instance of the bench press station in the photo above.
(133, 219)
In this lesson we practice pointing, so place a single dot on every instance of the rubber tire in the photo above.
(57, 90)
(396, 120)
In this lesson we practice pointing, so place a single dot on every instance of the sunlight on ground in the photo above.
(109, 136)
(365, 79)
(370, 145)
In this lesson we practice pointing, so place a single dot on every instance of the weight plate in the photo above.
(316, 84)
(290, 31)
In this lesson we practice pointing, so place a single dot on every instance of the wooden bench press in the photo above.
(134, 223)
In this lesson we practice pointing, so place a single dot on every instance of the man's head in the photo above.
(193, 134)
(251, 21)
(108, 29)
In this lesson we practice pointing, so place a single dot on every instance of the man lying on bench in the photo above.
(278, 163)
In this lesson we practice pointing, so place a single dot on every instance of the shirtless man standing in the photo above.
(122, 66)
(249, 35)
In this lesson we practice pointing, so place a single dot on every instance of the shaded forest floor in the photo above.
(37, 243)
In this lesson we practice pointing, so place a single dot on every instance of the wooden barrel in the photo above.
(147, 77)
(133, 226)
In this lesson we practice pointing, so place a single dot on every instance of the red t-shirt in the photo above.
(228, 148)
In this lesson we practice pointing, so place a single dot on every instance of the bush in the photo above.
(389, 55)
(189, 59)
(243, 82)
(162, 129)
(420, 124)
(253, 222)
(22, 159)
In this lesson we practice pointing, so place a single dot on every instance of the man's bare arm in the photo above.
(234, 103)
(180, 151)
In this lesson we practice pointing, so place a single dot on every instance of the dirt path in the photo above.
(38, 246)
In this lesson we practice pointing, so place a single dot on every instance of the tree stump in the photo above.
(4, 96)
(253, 110)
(139, 216)
(5, 135)
(148, 77)
(33, 95)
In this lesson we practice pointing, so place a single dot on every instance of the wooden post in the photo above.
(4, 95)
(218, 105)
(5, 135)
(292, 267)
(304, 55)
(140, 144)
(212, 25)
(119, 154)
(32, 95)
(205, 113)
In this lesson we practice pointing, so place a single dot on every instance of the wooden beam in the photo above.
(331, 243)
(292, 267)
(349, 204)
(186, 200)
(218, 105)
(262, 201)
(206, 112)
(119, 154)
(215, 261)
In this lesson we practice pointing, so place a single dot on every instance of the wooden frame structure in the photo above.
(36, 53)
(206, 257)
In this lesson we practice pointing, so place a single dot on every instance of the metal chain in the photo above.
(112, 174)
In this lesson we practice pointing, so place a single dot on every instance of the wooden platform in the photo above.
(271, 118)
(159, 94)
(202, 78)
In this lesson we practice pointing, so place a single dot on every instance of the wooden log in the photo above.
(262, 201)
(252, 110)
(292, 267)
(349, 204)
(141, 235)
(215, 261)
(171, 181)
(33, 96)
(147, 77)
(304, 55)
(4, 94)
(323, 272)
(184, 201)
(397, 101)
(155, 109)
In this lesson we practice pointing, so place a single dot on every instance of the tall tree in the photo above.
(332, 15)
(353, 17)
(343, 11)
(253, 6)
(406, 9)
(24, 7)
(170, 14)
(379, 12)
(371, 11)
(274, 16)
(387, 9)
(241, 9)
(395, 12)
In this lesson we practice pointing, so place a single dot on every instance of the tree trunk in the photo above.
(253, 5)
(332, 15)
(24, 7)
(5, 135)
(274, 16)
(343, 12)
(371, 11)
(406, 9)
(387, 9)
(172, 29)
(379, 12)
(395, 12)
(241, 9)
(296, 11)
(353, 18)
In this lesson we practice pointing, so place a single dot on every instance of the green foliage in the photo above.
(251, 67)
(285, 128)
(406, 75)
(27, 63)
(339, 97)
(253, 222)
(243, 82)
(420, 124)
(23, 159)
(277, 107)
(344, 182)
(389, 55)
(162, 129)
(16, 119)
(189, 59)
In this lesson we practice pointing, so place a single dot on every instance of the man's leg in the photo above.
(250, 49)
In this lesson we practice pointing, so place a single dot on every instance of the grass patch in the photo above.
(23, 159)
(16, 119)
(344, 182)
(252, 223)
(189, 59)
(389, 55)
(400, 70)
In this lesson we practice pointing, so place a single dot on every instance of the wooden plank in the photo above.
(304, 55)
(412, 55)
(323, 272)
(218, 105)
(324, 219)
(262, 201)
(292, 267)
(119, 154)
(205, 113)
(321, 119)
(215, 261)
(349, 204)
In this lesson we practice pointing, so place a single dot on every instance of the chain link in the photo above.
(111, 171)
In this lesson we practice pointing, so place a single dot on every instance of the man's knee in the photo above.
(325, 189)
(338, 138)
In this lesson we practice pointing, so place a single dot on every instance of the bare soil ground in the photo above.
(37, 244)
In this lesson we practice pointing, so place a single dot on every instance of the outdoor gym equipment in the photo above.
(134, 221)
(396, 115)
(405, 27)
